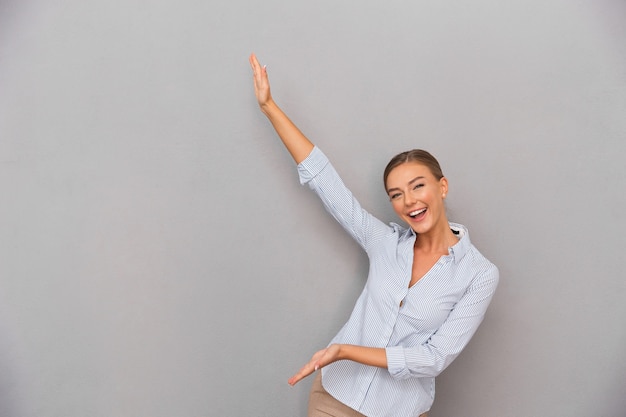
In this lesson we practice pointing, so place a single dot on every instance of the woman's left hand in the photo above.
(261, 82)
(319, 360)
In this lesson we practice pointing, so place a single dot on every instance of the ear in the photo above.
(443, 183)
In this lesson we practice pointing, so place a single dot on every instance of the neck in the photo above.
(437, 240)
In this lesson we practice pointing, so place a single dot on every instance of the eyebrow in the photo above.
(420, 177)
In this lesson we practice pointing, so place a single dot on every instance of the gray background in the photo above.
(159, 258)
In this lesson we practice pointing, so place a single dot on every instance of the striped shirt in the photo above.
(422, 328)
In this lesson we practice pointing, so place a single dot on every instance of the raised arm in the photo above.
(294, 140)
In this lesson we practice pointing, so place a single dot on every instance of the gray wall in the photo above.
(159, 258)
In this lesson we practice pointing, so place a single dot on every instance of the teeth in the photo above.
(417, 212)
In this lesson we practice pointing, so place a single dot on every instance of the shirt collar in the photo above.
(459, 249)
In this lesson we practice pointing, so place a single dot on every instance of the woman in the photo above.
(427, 290)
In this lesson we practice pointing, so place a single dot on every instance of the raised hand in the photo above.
(261, 82)
(296, 143)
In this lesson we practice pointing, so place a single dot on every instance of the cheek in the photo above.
(397, 206)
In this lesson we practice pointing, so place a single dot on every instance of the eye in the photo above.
(394, 196)
(418, 186)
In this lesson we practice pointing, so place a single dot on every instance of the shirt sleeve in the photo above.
(431, 358)
(318, 173)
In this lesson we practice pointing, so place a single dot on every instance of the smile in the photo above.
(416, 213)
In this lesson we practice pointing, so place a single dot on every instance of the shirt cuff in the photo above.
(312, 165)
(396, 362)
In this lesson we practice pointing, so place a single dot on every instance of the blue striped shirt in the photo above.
(423, 328)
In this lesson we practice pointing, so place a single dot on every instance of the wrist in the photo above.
(343, 352)
(268, 107)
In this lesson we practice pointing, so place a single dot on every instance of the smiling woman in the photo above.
(417, 197)
(402, 333)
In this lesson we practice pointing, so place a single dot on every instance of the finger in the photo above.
(254, 62)
(298, 377)
(256, 67)
(306, 370)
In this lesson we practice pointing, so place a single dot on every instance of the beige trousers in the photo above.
(322, 404)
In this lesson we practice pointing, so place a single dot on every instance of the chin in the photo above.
(420, 228)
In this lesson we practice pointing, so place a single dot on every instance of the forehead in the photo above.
(407, 172)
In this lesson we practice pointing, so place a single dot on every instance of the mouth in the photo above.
(418, 214)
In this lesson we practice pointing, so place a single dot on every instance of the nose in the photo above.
(409, 199)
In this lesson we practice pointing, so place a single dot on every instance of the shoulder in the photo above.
(399, 232)
(485, 273)
(480, 261)
(474, 261)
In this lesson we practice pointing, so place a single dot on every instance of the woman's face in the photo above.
(417, 196)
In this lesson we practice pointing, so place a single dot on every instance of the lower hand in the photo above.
(319, 360)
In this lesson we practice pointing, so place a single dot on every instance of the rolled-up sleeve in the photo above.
(312, 165)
